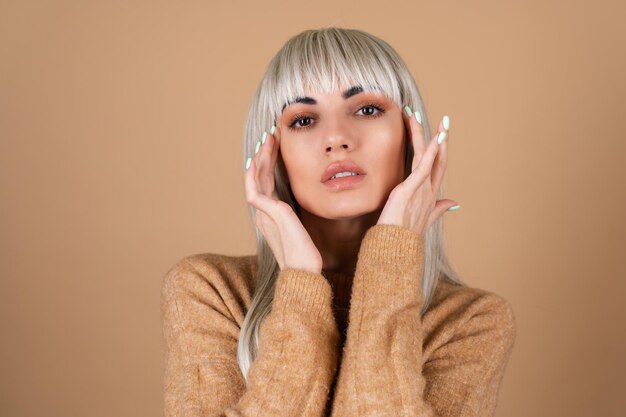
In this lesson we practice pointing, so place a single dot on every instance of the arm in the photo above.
(297, 355)
(383, 370)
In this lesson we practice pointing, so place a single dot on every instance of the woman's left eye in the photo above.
(371, 109)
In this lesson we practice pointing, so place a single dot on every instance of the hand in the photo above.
(290, 242)
(412, 203)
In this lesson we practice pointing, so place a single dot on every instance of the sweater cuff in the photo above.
(391, 260)
(392, 244)
(304, 291)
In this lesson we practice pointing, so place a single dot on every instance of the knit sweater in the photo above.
(394, 362)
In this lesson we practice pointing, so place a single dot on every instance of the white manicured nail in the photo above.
(446, 122)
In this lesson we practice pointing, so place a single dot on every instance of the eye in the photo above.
(373, 109)
(299, 119)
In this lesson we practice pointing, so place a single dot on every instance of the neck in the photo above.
(338, 240)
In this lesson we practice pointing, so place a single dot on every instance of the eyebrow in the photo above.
(310, 100)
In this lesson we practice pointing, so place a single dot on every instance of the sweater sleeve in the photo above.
(296, 360)
(383, 371)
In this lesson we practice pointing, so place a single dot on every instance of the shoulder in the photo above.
(471, 300)
(212, 267)
(220, 281)
(455, 306)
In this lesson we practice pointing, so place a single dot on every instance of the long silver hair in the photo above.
(325, 60)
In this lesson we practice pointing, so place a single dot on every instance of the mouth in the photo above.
(344, 182)
(341, 169)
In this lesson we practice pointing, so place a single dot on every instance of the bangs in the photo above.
(326, 62)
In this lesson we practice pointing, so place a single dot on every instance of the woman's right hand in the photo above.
(290, 242)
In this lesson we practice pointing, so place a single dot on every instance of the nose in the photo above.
(338, 135)
(330, 148)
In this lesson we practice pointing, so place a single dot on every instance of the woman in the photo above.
(351, 307)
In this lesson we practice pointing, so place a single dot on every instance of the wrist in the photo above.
(392, 244)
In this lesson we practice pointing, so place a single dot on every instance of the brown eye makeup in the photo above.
(373, 110)
(305, 120)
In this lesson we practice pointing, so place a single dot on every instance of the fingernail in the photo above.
(273, 129)
(441, 137)
(248, 163)
(408, 111)
(256, 149)
(263, 137)
(418, 117)
(454, 208)
(446, 122)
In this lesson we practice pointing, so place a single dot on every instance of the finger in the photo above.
(254, 196)
(439, 165)
(275, 144)
(423, 169)
(441, 206)
(416, 133)
(265, 174)
(275, 150)
(272, 143)
(250, 184)
(264, 160)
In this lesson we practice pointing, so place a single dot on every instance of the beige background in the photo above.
(121, 133)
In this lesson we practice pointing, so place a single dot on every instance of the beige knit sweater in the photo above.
(450, 362)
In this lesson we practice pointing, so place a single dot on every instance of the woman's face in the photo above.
(363, 127)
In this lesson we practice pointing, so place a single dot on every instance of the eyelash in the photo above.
(299, 117)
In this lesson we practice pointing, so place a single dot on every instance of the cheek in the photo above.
(390, 161)
(388, 155)
(296, 163)
(389, 139)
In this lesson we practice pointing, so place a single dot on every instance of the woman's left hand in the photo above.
(412, 203)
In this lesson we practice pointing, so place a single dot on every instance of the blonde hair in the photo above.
(325, 60)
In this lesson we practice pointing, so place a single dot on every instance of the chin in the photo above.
(349, 209)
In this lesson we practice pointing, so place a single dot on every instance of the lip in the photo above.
(344, 183)
(341, 166)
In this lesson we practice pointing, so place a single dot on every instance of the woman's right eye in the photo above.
(300, 123)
